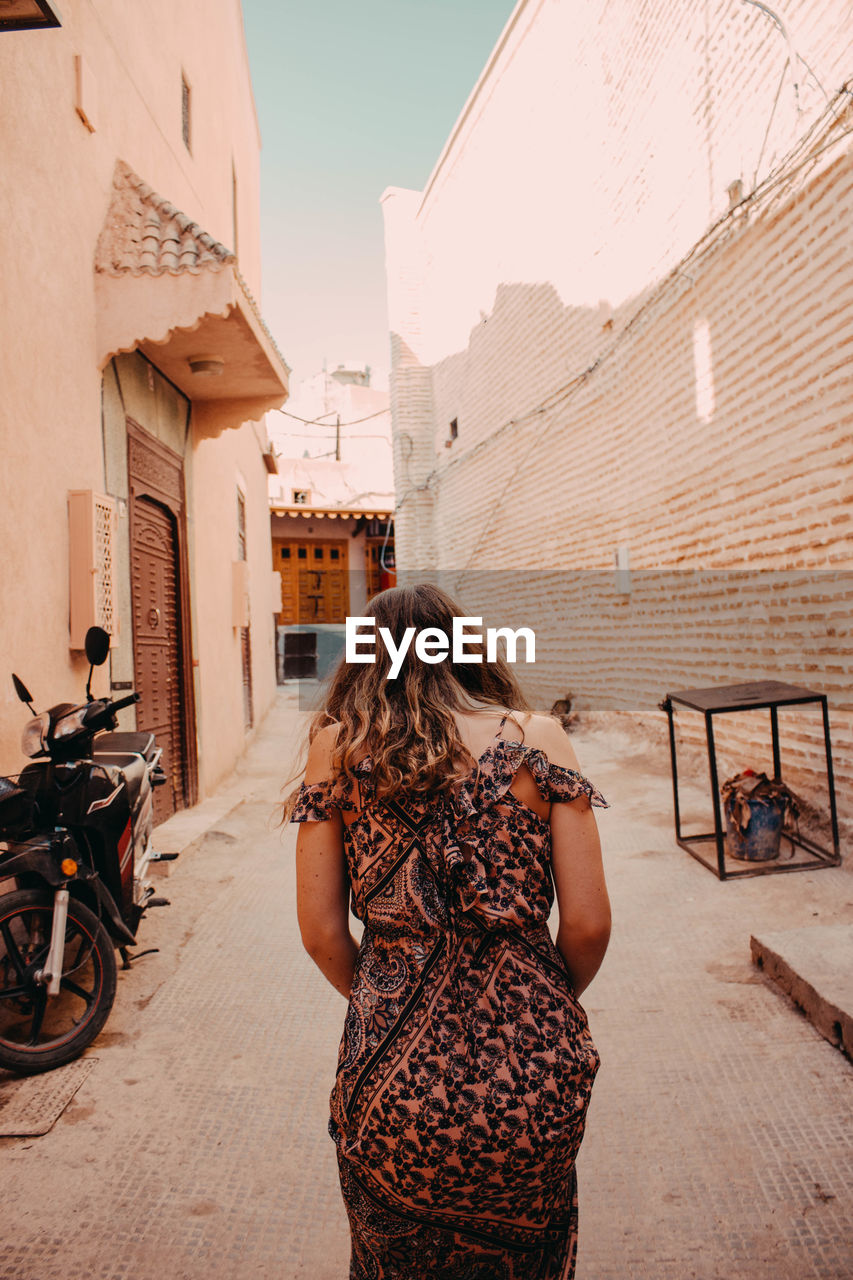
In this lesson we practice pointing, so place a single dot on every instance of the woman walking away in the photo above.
(447, 814)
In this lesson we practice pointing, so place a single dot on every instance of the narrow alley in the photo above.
(718, 1143)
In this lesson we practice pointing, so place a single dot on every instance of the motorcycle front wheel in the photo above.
(38, 1031)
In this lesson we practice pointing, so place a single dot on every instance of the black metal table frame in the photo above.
(822, 857)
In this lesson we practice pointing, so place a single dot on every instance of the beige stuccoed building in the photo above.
(621, 389)
(136, 372)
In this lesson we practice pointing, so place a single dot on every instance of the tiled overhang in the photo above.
(332, 513)
(166, 288)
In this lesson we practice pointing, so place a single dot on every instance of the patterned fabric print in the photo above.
(466, 1063)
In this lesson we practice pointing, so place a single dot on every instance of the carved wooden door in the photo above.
(160, 613)
(156, 642)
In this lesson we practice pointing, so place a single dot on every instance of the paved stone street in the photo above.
(719, 1138)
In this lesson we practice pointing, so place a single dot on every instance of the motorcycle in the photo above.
(75, 838)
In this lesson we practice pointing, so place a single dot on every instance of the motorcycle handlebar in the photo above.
(125, 702)
(101, 714)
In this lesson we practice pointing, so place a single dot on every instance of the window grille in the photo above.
(185, 112)
(105, 523)
(246, 661)
(241, 526)
(234, 205)
(92, 547)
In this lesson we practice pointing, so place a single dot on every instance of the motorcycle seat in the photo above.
(141, 743)
(133, 767)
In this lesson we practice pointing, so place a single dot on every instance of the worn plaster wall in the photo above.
(625, 283)
(221, 468)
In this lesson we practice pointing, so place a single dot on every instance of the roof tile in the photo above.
(143, 232)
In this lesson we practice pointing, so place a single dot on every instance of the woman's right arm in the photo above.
(584, 907)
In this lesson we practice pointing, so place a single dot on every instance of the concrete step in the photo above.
(814, 966)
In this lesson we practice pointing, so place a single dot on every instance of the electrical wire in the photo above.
(770, 121)
(788, 168)
(389, 525)
(793, 56)
(316, 422)
(301, 435)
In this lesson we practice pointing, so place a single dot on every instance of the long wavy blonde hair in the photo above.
(407, 725)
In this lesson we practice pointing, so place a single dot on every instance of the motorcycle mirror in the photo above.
(23, 692)
(97, 644)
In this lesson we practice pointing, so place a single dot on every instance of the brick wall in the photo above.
(632, 366)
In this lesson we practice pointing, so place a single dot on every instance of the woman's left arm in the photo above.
(322, 881)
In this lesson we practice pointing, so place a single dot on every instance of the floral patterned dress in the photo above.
(466, 1063)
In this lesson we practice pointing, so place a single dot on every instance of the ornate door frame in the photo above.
(155, 471)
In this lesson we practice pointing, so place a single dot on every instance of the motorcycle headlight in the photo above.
(70, 724)
(34, 737)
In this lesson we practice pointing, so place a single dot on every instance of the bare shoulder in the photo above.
(549, 736)
(319, 765)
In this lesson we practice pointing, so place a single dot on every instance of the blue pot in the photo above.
(763, 836)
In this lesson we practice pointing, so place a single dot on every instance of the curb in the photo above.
(813, 967)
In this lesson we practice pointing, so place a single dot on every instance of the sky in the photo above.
(353, 96)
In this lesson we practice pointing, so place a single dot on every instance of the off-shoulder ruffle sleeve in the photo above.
(315, 801)
(567, 784)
